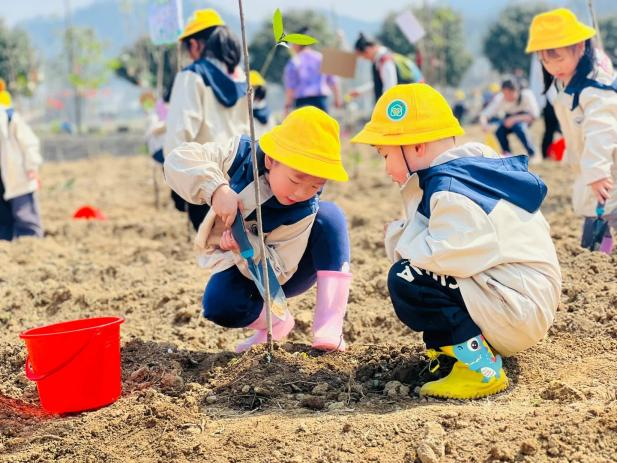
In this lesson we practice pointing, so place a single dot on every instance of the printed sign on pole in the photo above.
(410, 26)
(165, 21)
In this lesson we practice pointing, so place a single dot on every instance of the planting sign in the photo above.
(164, 21)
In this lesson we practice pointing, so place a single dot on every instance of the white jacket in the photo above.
(501, 255)
(195, 171)
(590, 131)
(196, 113)
(500, 107)
(19, 153)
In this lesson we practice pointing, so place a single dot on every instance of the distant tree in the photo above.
(608, 29)
(506, 40)
(18, 63)
(138, 63)
(446, 58)
(295, 20)
(88, 67)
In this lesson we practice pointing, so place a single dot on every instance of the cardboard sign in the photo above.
(338, 63)
(410, 26)
(164, 21)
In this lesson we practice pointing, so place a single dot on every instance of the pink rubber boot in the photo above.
(280, 329)
(332, 295)
(607, 245)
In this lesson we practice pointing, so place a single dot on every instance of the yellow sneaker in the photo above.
(477, 372)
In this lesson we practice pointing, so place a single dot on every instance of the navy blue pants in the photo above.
(232, 300)
(519, 129)
(431, 303)
(19, 216)
(320, 101)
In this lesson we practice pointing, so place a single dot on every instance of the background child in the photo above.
(306, 240)
(585, 105)
(261, 112)
(20, 159)
(473, 260)
(517, 108)
(208, 98)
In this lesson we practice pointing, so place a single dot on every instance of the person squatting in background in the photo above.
(516, 109)
(20, 159)
(306, 239)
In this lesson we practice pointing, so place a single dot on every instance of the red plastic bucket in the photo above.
(76, 364)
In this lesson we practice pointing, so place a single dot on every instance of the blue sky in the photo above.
(14, 11)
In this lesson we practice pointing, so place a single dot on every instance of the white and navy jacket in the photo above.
(587, 112)
(475, 216)
(19, 154)
(195, 171)
(207, 105)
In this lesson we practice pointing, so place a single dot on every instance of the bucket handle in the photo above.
(32, 376)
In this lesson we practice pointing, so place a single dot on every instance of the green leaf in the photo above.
(300, 39)
(277, 25)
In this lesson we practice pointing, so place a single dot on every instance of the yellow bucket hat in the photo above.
(308, 141)
(555, 29)
(256, 79)
(407, 115)
(201, 19)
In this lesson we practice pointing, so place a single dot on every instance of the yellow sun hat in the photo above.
(556, 29)
(256, 79)
(5, 96)
(308, 141)
(409, 114)
(201, 19)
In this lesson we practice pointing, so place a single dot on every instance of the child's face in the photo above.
(291, 186)
(509, 94)
(561, 62)
(396, 167)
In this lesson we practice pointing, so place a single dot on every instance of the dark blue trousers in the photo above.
(519, 129)
(431, 303)
(19, 216)
(233, 301)
(320, 101)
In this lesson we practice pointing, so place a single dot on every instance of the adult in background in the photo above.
(305, 85)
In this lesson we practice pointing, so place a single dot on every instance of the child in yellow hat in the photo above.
(585, 85)
(208, 97)
(306, 239)
(261, 111)
(20, 159)
(474, 265)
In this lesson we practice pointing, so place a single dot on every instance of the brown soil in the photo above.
(188, 397)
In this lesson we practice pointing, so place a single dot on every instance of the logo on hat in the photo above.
(397, 110)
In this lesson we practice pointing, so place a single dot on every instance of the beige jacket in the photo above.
(196, 115)
(504, 261)
(19, 153)
(590, 131)
(195, 171)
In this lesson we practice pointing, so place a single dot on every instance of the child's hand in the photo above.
(225, 203)
(602, 189)
(228, 243)
(34, 175)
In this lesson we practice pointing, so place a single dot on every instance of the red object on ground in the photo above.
(557, 149)
(75, 364)
(89, 212)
